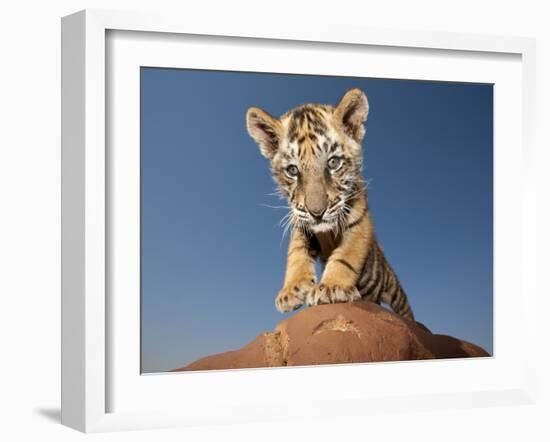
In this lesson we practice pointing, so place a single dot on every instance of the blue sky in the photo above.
(212, 254)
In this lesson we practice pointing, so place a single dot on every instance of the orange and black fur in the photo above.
(316, 160)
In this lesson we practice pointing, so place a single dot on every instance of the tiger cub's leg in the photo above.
(393, 294)
(300, 273)
(379, 283)
(397, 300)
(344, 265)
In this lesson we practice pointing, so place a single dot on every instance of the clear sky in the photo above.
(212, 254)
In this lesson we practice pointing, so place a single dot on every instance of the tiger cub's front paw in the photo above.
(293, 296)
(331, 294)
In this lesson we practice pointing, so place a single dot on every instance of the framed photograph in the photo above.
(263, 222)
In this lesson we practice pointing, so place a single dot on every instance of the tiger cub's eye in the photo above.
(292, 171)
(334, 163)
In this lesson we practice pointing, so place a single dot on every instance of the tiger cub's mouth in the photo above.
(330, 220)
(323, 226)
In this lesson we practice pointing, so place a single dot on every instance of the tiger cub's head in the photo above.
(315, 155)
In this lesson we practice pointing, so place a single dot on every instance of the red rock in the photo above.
(340, 333)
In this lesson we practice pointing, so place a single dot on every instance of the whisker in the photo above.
(288, 221)
(274, 207)
(285, 219)
(278, 193)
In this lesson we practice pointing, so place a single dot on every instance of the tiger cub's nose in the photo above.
(316, 200)
(317, 212)
(316, 204)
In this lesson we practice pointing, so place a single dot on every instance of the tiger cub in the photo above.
(316, 160)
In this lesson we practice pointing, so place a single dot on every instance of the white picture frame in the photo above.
(87, 319)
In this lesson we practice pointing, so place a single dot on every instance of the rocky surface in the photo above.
(337, 334)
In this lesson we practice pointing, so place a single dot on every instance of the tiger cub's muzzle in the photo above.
(316, 199)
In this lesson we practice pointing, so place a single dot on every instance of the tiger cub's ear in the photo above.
(265, 130)
(352, 113)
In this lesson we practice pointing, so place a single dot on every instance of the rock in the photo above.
(340, 333)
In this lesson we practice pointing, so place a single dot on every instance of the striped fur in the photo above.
(379, 283)
(316, 160)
